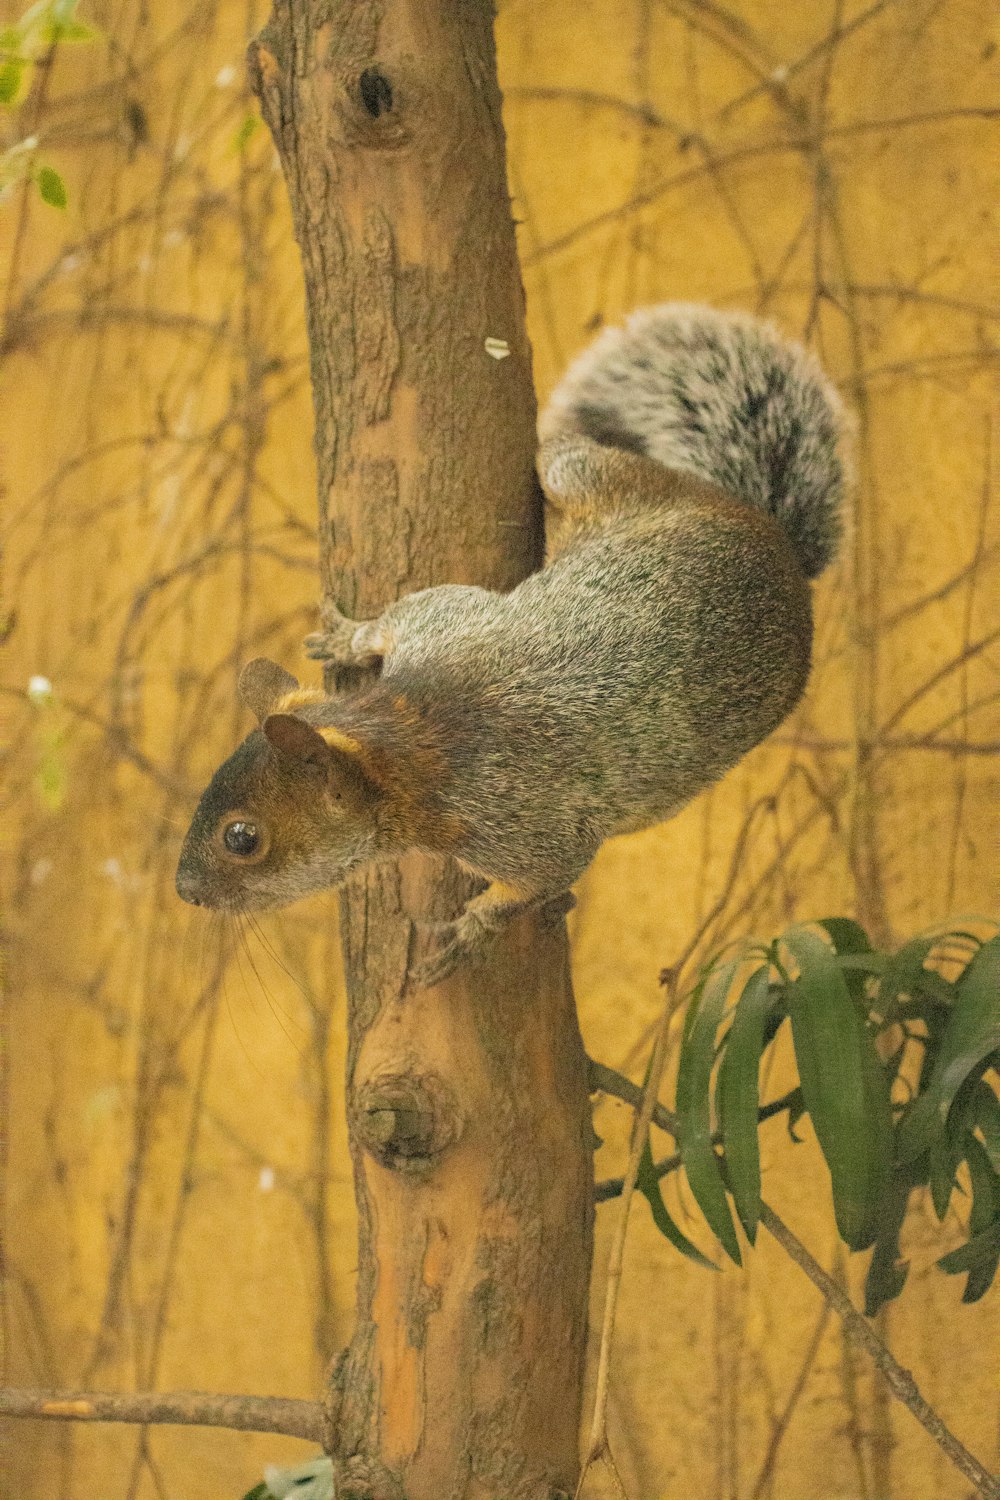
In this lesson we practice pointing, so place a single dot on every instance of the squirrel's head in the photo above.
(290, 812)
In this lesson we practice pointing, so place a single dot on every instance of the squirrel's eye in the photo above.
(241, 838)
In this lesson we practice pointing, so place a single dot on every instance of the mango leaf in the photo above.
(950, 1148)
(980, 1256)
(985, 1117)
(905, 973)
(649, 1185)
(843, 1084)
(943, 1162)
(737, 1097)
(972, 1034)
(694, 1104)
(864, 963)
(887, 1273)
(51, 187)
(984, 1216)
(846, 935)
(985, 1187)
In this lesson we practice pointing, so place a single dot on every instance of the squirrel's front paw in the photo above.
(458, 942)
(347, 643)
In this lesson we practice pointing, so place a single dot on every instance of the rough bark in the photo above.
(467, 1104)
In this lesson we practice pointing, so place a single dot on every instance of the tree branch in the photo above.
(279, 1414)
(899, 1381)
(597, 1447)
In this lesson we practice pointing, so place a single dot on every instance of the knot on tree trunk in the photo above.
(406, 1121)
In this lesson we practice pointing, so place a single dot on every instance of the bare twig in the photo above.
(899, 1381)
(780, 1427)
(597, 1447)
(285, 1415)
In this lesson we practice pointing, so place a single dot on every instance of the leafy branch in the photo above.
(897, 1056)
(26, 46)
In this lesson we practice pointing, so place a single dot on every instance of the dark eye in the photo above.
(241, 838)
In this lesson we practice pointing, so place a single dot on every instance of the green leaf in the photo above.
(737, 1097)
(887, 1273)
(247, 130)
(985, 1117)
(694, 1122)
(971, 1034)
(11, 76)
(980, 1257)
(905, 973)
(950, 1147)
(846, 935)
(985, 1187)
(864, 963)
(70, 31)
(51, 187)
(259, 1492)
(942, 1164)
(843, 1084)
(649, 1185)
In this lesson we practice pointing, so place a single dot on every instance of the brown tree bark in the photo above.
(468, 1112)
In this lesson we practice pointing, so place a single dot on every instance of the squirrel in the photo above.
(689, 461)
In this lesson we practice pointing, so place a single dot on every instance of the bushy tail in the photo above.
(723, 396)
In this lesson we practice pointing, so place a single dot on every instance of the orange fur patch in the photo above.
(297, 698)
(499, 893)
(338, 740)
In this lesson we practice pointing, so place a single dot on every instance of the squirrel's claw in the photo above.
(461, 941)
(467, 938)
(347, 643)
(319, 647)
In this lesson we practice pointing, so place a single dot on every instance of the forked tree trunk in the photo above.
(468, 1111)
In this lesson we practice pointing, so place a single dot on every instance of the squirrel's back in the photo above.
(722, 396)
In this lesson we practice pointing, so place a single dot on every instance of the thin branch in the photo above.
(285, 1415)
(780, 1428)
(899, 1381)
(606, 1080)
(597, 1447)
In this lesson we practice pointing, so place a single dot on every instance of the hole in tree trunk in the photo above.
(376, 92)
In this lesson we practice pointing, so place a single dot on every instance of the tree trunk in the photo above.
(467, 1104)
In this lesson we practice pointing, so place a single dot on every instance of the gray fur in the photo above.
(723, 396)
(606, 690)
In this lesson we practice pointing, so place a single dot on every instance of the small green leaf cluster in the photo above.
(897, 1056)
(42, 26)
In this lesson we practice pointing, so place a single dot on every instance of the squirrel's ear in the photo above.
(295, 738)
(327, 750)
(262, 684)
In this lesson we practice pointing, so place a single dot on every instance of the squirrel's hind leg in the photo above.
(348, 643)
(468, 937)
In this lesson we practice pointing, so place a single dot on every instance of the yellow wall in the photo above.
(176, 1205)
